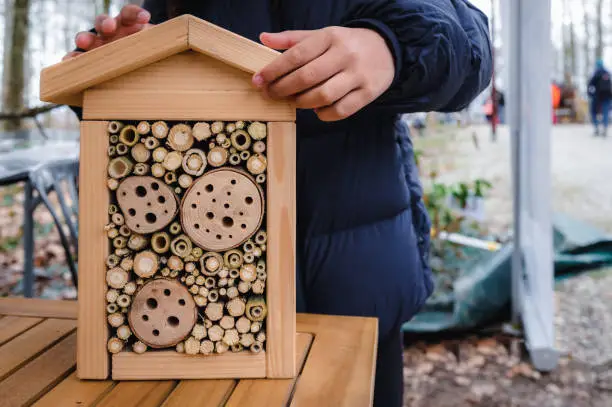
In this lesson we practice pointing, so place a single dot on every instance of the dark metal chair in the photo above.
(62, 178)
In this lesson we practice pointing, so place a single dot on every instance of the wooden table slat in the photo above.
(32, 342)
(274, 392)
(34, 307)
(11, 326)
(138, 393)
(200, 393)
(40, 375)
(74, 392)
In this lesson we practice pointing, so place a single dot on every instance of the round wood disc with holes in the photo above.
(163, 313)
(147, 203)
(222, 209)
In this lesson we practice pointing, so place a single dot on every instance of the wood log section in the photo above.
(222, 209)
(163, 313)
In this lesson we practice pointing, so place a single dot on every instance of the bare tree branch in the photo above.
(28, 112)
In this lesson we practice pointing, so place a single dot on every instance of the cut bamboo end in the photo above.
(121, 149)
(236, 307)
(115, 345)
(247, 339)
(185, 181)
(158, 170)
(140, 153)
(255, 327)
(192, 346)
(143, 128)
(180, 347)
(137, 242)
(112, 308)
(211, 263)
(259, 147)
(151, 143)
(244, 287)
(248, 272)
(221, 347)
(214, 311)
(145, 264)
(124, 332)
(198, 331)
(244, 155)
(112, 295)
(232, 292)
(227, 322)
(256, 347)
(125, 232)
(112, 151)
(240, 140)
(217, 156)
(213, 295)
(175, 263)
(159, 154)
(260, 178)
(116, 277)
(258, 287)
(200, 300)
(257, 164)
(116, 319)
(231, 337)
(120, 167)
(173, 161)
(114, 126)
(139, 347)
(258, 130)
(201, 131)
(159, 130)
(112, 184)
(180, 138)
(129, 136)
(215, 333)
(170, 177)
(234, 159)
(127, 263)
(233, 259)
(217, 127)
(130, 288)
(207, 347)
(124, 300)
(141, 169)
(112, 260)
(256, 309)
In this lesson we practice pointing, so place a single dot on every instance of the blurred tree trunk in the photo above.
(14, 66)
(599, 30)
(572, 46)
(588, 64)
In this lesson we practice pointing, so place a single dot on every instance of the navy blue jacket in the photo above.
(363, 231)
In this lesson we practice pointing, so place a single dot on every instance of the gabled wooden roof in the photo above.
(64, 82)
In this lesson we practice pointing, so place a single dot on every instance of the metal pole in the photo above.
(493, 90)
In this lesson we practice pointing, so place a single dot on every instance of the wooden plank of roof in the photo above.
(114, 59)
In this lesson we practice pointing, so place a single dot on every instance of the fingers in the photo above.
(306, 77)
(85, 40)
(283, 40)
(105, 26)
(327, 93)
(345, 107)
(298, 55)
(132, 14)
(71, 55)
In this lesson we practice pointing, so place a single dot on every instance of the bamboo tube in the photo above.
(116, 277)
(260, 178)
(197, 252)
(261, 237)
(234, 159)
(207, 347)
(217, 127)
(137, 242)
(120, 167)
(261, 336)
(112, 233)
(172, 161)
(112, 208)
(221, 347)
(113, 139)
(215, 333)
(234, 273)
(256, 347)
(198, 331)
(181, 246)
(211, 263)
(170, 177)
(139, 281)
(244, 287)
(128, 136)
(159, 129)
(256, 309)
(194, 162)
(247, 339)
(236, 307)
(240, 125)
(244, 155)
(124, 332)
(159, 154)
(222, 282)
(220, 138)
(226, 143)
(261, 266)
(200, 280)
(259, 147)
(223, 273)
(208, 324)
(121, 149)
(185, 180)
(190, 280)
(262, 247)
(192, 346)
(115, 345)
(124, 300)
(140, 153)
(217, 156)
(213, 295)
(243, 325)
(194, 289)
(248, 273)
(177, 190)
(201, 131)
(255, 327)
(257, 130)
(112, 260)
(130, 288)
(258, 287)
(143, 127)
(112, 308)
(112, 184)
(141, 168)
(158, 170)
(125, 232)
(122, 252)
(241, 140)
(227, 322)
(175, 264)
(200, 300)
(232, 150)
(249, 257)
(165, 272)
(237, 348)
(257, 164)
(112, 295)
(230, 127)
(180, 347)
(115, 319)
(203, 291)
(261, 275)
(114, 126)
(222, 292)
(214, 311)
(190, 268)
(180, 138)
(233, 258)
(248, 246)
(139, 347)
(232, 292)
(231, 337)
(160, 242)
(145, 264)
(151, 143)
(256, 251)
(127, 263)
(112, 151)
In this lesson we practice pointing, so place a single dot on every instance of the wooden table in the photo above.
(336, 355)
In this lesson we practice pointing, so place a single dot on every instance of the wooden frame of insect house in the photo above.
(187, 207)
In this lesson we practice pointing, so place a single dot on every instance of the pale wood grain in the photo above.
(40, 375)
(74, 75)
(152, 104)
(141, 394)
(271, 392)
(75, 392)
(35, 307)
(341, 363)
(26, 346)
(188, 70)
(228, 47)
(173, 365)
(200, 393)
(281, 221)
(11, 326)
(92, 355)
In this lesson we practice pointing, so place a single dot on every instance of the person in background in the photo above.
(600, 95)
(352, 67)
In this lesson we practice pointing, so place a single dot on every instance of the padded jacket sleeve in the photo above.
(441, 49)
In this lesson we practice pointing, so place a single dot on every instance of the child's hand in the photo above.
(335, 70)
(130, 20)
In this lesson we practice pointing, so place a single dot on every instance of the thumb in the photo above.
(284, 39)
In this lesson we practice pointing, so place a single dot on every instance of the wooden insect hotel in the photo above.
(187, 207)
